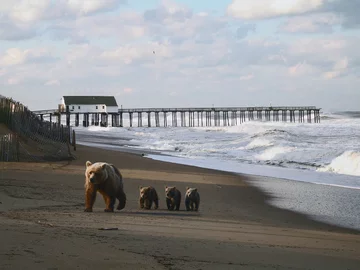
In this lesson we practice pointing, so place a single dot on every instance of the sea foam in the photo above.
(330, 147)
(347, 163)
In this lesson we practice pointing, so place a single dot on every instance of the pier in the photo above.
(196, 117)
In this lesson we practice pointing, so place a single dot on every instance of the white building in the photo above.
(88, 104)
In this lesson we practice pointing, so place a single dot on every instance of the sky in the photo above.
(173, 53)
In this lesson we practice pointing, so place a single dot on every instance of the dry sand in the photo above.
(43, 225)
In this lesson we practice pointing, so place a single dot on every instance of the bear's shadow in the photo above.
(160, 212)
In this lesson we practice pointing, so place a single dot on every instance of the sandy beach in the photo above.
(252, 103)
(43, 225)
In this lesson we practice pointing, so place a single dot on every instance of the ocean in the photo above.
(326, 154)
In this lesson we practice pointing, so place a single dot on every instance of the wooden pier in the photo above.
(197, 117)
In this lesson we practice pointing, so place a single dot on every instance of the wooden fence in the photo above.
(30, 138)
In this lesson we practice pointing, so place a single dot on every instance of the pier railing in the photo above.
(196, 116)
(30, 138)
(217, 109)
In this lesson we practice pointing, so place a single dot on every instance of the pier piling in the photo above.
(197, 117)
(165, 119)
(157, 119)
(139, 119)
(149, 118)
(131, 118)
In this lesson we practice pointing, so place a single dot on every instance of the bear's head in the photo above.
(191, 192)
(144, 192)
(96, 173)
(170, 192)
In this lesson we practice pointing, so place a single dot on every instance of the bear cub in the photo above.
(106, 179)
(192, 199)
(173, 198)
(148, 196)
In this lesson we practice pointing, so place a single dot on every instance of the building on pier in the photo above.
(93, 106)
(88, 104)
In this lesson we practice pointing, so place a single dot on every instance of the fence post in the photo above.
(2, 149)
(74, 140)
(17, 147)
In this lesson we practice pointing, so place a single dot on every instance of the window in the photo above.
(73, 107)
(103, 107)
(79, 107)
(96, 107)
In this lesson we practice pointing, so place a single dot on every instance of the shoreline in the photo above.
(42, 204)
(281, 199)
(256, 170)
(163, 172)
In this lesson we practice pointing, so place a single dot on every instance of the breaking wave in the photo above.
(346, 163)
(332, 146)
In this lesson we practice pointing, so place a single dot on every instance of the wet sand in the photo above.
(43, 225)
(331, 204)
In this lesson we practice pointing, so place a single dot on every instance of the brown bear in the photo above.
(192, 199)
(173, 198)
(106, 179)
(148, 195)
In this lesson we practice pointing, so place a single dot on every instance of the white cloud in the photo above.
(314, 23)
(13, 56)
(173, 94)
(341, 64)
(12, 32)
(123, 27)
(128, 90)
(301, 69)
(29, 11)
(20, 19)
(340, 68)
(149, 52)
(168, 11)
(2, 71)
(347, 9)
(13, 81)
(124, 54)
(345, 12)
(329, 47)
(243, 30)
(81, 52)
(84, 7)
(262, 9)
(16, 56)
(246, 77)
(202, 14)
(52, 82)
(6, 6)
(136, 31)
(34, 10)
